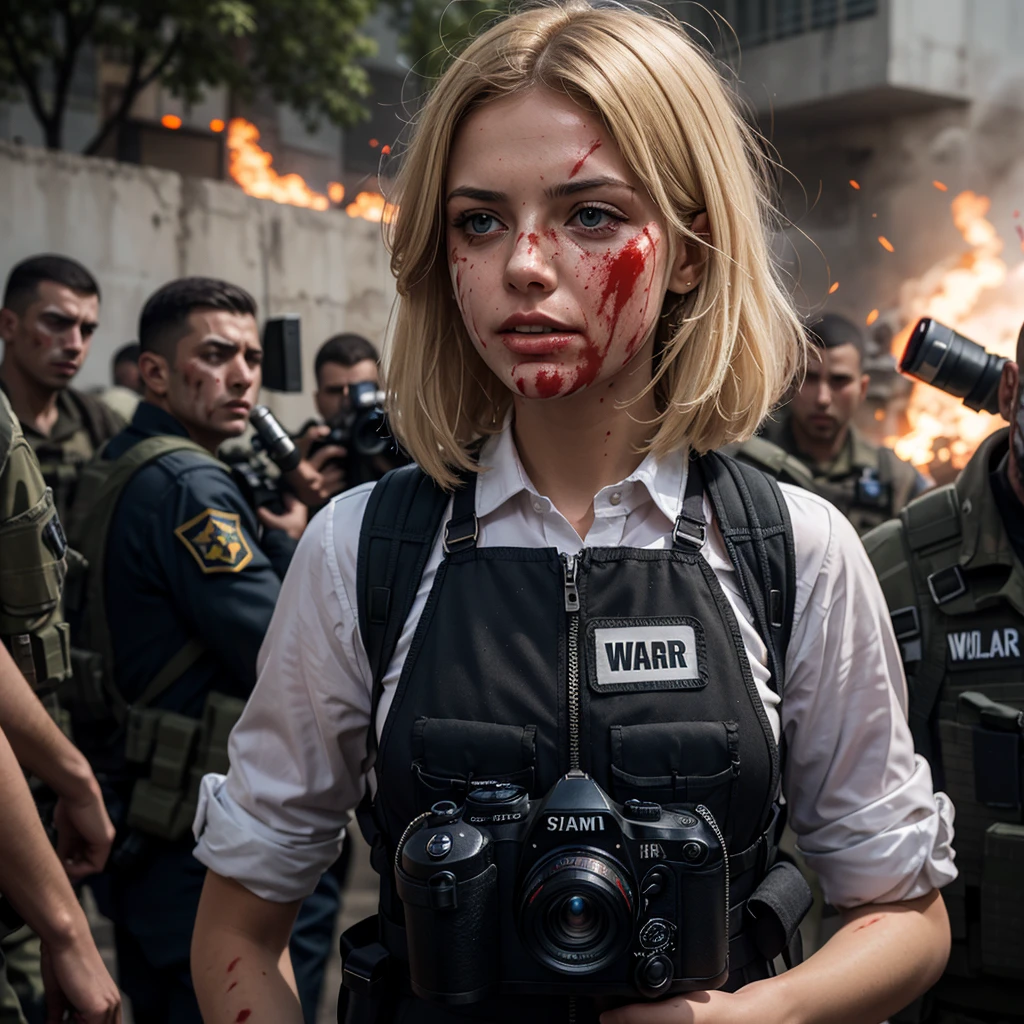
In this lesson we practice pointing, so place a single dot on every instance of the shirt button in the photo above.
(615, 497)
(538, 507)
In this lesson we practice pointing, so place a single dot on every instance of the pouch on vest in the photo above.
(32, 565)
(1002, 902)
(670, 763)
(450, 754)
(180, 750)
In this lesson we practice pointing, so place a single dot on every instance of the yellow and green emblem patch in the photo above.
(215, 540)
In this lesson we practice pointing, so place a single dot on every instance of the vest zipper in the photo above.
(570, 564)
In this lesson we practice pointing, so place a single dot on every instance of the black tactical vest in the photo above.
(956, 594)
(627, 663)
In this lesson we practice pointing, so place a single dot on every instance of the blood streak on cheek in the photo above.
(623, 271)
(243, 1015)
(233, 964)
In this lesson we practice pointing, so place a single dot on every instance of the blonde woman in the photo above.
(588, 304)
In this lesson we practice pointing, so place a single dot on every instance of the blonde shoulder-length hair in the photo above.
(725, 352)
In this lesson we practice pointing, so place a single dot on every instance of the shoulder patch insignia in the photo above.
(216, 541)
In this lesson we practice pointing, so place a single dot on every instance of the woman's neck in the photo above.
(572, 447)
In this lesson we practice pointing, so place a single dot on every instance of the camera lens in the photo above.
(939, 356)
(576, 911)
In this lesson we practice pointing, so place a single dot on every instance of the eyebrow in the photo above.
(226, 346)
(59, 314)
(560, 191)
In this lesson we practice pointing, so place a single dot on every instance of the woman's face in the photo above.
(558, 255)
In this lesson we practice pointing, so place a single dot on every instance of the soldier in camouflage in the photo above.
(952, 569)
(866, 482)
(50, 313)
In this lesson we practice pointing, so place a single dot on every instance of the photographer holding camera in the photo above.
(952, 570)
(573, 660)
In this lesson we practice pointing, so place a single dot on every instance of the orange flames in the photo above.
(252, 167)
(960, 292)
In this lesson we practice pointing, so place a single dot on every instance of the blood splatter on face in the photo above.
(566, 284)
(578, 166)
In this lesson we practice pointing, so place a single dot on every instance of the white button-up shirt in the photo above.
(859, 799)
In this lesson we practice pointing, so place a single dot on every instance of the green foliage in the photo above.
(434, 31)
(302, 52)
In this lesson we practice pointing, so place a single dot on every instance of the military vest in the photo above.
(625, 663)
(769, 457)
(33, 564)
(955, 591)
(176, 749)
(872, 490)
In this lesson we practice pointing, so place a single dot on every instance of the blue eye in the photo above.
(591, 217)
(479, 223)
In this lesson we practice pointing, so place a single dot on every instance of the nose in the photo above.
(242, 375)
(530, 266)
(824, 393)
(72, 340)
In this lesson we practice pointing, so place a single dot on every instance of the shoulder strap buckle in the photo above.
(947, 584)
(458, 536)
(690, 532)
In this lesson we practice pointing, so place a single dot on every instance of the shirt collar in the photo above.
(150, 420)
(504, 478)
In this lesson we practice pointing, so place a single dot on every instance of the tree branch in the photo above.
(27, 77)
(136, 83)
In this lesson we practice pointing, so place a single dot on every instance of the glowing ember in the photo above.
(886, 244)
(251, 166)
(834, 288)
(940, 186)
(217, 125)
(854, 184)
(871, 317)
(371, 206)
(171, 121)
(336, 191)
(965, 292)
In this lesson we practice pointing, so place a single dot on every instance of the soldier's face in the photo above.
(215, 378)
(49, 340)
(831, 393)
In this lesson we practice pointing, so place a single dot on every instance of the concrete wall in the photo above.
(136, 228)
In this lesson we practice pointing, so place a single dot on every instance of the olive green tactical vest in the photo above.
(869, 484)
(177, 749)
(955, 590)
(33, 563)
(759, 452)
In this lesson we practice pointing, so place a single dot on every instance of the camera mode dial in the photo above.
(641, 810)
(656, 934)
(497, 803)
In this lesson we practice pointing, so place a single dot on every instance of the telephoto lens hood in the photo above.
(939, 356)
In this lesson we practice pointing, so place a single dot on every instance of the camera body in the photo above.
(569, 895)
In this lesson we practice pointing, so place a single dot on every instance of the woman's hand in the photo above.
(293, 520)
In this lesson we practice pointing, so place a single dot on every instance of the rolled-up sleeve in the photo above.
(860, 800)
(275, 822)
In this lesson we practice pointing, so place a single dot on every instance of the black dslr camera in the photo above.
(573, 894)
(362, 430)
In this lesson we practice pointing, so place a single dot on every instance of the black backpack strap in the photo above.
(399, 526)
(754, 520)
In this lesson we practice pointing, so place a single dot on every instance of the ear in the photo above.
(691, 258)
(155, 373)
(8, 324)
(1008, 382)
(865, 381)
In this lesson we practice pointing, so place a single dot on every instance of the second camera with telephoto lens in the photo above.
(939, 356)
(571, 894)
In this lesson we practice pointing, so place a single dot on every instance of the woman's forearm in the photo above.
(883, 958)
(240, 964)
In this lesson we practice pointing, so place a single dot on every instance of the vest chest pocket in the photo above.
(449, 755)
(677, 763)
